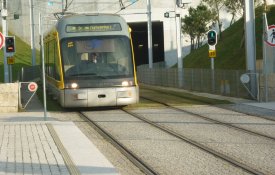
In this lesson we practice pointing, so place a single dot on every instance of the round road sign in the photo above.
(32, 86)
(2, 40)
(245, 78)
(270, 35)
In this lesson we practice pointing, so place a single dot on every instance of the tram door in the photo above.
(140, 42)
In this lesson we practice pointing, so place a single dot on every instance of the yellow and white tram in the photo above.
(89, 61)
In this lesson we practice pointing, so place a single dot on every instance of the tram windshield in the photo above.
(97, 57)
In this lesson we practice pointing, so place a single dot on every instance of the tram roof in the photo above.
(86, 19)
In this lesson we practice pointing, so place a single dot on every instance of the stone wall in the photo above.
(9, 97)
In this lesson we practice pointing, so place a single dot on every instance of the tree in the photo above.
(196, 24)
(187, 27)
(216, 6)
(234, 7)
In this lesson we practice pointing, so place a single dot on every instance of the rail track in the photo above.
(138, 162)
(212, 120)
(147, 169)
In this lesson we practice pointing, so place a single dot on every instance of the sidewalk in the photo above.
(30, 145)
(265, 105)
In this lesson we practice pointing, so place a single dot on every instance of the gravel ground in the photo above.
(250, 122)
(255, 151)
(252, 110)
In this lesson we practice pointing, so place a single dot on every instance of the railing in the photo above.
(31, 73)
(25, 76)
(222, 82)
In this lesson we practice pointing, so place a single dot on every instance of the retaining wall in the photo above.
(9, 97)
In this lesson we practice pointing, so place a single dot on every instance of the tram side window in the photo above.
(46, 50)
(51, 59)
(56, 62)
(53, 66)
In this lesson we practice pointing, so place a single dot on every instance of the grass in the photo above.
(22, 57)
(230, 48)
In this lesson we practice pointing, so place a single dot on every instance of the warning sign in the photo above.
(270, 35)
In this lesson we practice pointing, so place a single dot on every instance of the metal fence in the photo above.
(222, 82)
(30, 73)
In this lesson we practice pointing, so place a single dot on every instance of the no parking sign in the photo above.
(32, 87)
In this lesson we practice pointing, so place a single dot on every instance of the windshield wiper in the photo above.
(80, 74)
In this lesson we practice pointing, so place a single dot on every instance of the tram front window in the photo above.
(97, 57)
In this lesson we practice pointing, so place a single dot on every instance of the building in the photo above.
(134, 12)
(164, 33)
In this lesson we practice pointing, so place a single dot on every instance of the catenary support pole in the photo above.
(149, 28)
(43, 65)
(32, 33)
(251, 44)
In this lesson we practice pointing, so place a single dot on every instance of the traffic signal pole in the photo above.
(212, 40)
(4, 14)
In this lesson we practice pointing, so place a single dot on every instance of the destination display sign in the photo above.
(75, 28)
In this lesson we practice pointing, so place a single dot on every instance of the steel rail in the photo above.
(198, 145)
(222, 106)
(213, 120)
(144, 167)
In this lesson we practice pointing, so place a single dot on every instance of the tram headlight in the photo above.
(74, 85)
(127, 83)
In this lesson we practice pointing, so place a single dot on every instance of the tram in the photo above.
(89, 61)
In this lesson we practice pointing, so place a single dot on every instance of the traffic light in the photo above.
(212, 37)
(10, 44)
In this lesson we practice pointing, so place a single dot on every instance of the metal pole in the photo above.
(178, 33)
(10, 72)
(250, 43)
(43, 65)
(62, 6)
(212, 75)
(4, 13)
(265, 71)
(212, 63)
(179, 49)
(149, 28)
(32, 33)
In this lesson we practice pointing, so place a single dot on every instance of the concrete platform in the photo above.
(265, 105)
(30, 145)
